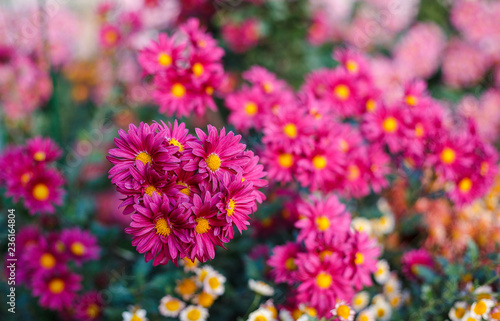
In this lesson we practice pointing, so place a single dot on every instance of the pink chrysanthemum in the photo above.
(355, 180)
(282, 262)
(412, 259)
(247, 107)
(174, 93)
(177, 135)
(43, 149)
(341, 92)
(160, 56)
(322, 219)
(109, 36)
(42, 258)
(56, 288)
(385, 125)
(89, 306)
(451, 155)
(352, 61)
(280, 163)
(254, 173)
(379, 164)
(44, 190)
(265, 80)
(362, 260)
(80, 245)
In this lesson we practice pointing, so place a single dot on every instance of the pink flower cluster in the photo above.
(185, 195)
(341, 133)
(43, 266)
(241, 36)
(335, 261)
(186, 69)
(28, 173)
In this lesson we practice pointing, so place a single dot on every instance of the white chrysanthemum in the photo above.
(194, 313)
(366, 315)
(170, 306)
(469, 317)
(382, 310)
(286, 315)
(260, 287)
(392, 286)
(482, 308)
(484, 292)
(382, 273)
(343, 311)
(261, 314)
(213, 283)
(384, 207)
(395, 299)
(202, 272)
(458, 311)
(383, 225)
(134, 314)
(360, 300)
(189, 266)
(362, 224)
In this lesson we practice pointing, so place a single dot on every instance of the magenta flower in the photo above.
(414, 258)
(56, 288)
(161, 55)
(44, 190)
(177, 135)
(265, 80)
(248, 108)
(385, 125)
(42, 258)
(355, 181)
(362, 259)
(254, 173)
(280, 163)
(43, 149)
(353, 62)
(283, 263)
(89, 306)
(80, 245)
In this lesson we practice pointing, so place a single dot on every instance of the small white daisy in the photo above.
(458, 311)
(360, 300)
(395, 300)
(383, 225)
(204, 299)
(469, 317)
(481, 308)
(261, 314)
(382, 310)
(286, 315)
(366, 315)
(134, 314)
(170, 306)
(186, 288)
(260, 287)
(484, 292)
(213, 283)
(392, 286)
(362, 224)
(343, 311)
(194, 313)
(202, 272)
(382, 273)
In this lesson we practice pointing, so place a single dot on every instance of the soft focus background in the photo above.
(71, 71)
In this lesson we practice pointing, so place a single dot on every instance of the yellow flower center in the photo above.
(411, 100)
(172, 305)
(56, 286)
(77, 248)
(135, 317)
(485, 167)
(285, 160)
(419, 130)
(371, 105)
(111, 37)
(319, 161)
(465, 185)
(342, 92)
(202, 225)
(353, 172)
(364, 317)
(251, 108)
(213, 282)
(448, 156)
(324, 280)
(290, 264)
(39, 156)
(344, 145)
(459, 312)
(164, 59)
(213, 162)
(495, 315)
(343, 311)
(178, 90)
(175, 142)
(480, 308)
(187, 287)
(25, 178)
(322, 223)
(390, 124)
(144, 158)
(352, 66)
(193, 315)
(260, 318)
(359, 258)
(93, 311)
(162, 227)
(186, 191)
(47, 261)
(150, 189)
(230, 207)
(324, 253)
(205, 300)
(290, 130)
(198, 69)
(209, 90)
(268, 87)
(380, 312)
(41, 192)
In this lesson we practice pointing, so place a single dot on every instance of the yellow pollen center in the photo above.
(285, 160)
(352, 66)
(359, 258)
(39, 156)
(459, 312)
(485, 167)
(172, 305)
(135, 317)
(175, 142)
(495, 315)
(144, 158)
(213, 282)
(419, 130)
(465, 185)
(93, 311)
(47, 261)
(411, 100)
(150, 189)
(290, 264)
(198, 69)
(202, 225)
(268, 87)
(178, 90)
(162, 227)
(205, 300)
(230, 207)
(371, 105)
(56, 286)
(213, 162)
(324, 280)
(290, 130)
(448, 156)
(380, 312)
(344, 146)
(260, 318)
(390, 124)
(41, 192)
(322, 223)
(343, 311)
(209, 90)
(354, 173)
(77, 248)
(193, 315)
(251, 108)
(186, 191)
(187, 287)
(325, 253)
(111, 37)
(480, 308)
(25, 178)
(342, 92)
(319, 161)
(364, 317)
(164, 59)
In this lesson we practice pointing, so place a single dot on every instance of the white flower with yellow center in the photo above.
(205, 299)
(261, 314)
(395, 300)
(186, 288)
(269, 304)
(458, 311)
(343, 311)
(213, 283)
(194, 313)
(260, 287)
(469, 317)
(286, 315)
(481, 308)
(134, 314)
(362, 224)
(384, 207)
(383, 225)
(484, 292)
(382, 272)
(382, 310)
(170, 306)
(202, 272)
(360, 300)
(392, 286)
(366, 315)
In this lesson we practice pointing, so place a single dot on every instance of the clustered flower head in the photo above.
(28, 173)
(334, 261)
(186, 195)
(43, 266)
(484, 307)
(341, 133)
(186, 69)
